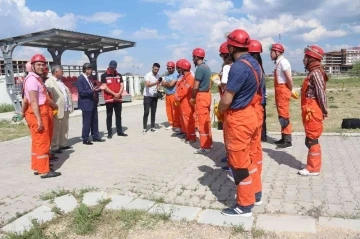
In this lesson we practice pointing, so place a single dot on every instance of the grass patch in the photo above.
(333, 83)
(79, 194)
(54, 194)
(10, 130)
(6, 108)
(237, 229)
(337, 111)
(36, 232)
(257, 232)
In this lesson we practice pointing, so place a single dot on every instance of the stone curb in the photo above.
(267, 222)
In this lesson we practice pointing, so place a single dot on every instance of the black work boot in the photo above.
(281, 141)
(287, 142)
(51, 174)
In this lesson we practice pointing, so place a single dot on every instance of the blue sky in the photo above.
(169, 29)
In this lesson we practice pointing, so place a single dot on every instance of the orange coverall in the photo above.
(183, 95)
(172, 111)
(282, 101)
(40, 144)
(312, 118)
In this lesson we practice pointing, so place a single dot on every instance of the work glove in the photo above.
(55, 111)
(218, 114)
(216, 79)
(176, 103)
(294, 94)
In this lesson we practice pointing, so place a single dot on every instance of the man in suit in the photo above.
(87, 102)
(62, 97)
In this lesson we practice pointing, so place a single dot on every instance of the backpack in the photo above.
(351, 123)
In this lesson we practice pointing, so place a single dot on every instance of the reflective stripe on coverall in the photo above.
(183, 94)
(282, 101)
(241, 126)
(40, 141)
(202, 109)
(312, 118)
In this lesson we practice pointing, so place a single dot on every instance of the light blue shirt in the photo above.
(169, 78)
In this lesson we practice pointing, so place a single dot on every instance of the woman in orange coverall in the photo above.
(182, 97)
(313, 107)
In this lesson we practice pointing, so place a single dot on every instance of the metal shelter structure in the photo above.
(56, 41)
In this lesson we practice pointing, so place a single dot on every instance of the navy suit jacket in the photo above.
(86, 100)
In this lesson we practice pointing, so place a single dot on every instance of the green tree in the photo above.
(355, 71)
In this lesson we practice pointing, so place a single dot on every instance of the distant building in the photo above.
(337, 62)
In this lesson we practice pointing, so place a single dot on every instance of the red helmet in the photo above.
(224, 49)
(199, 52)
(314, 51)
(38, 58)
(255, 47)
(170, 64)
(46, 69)
(185, 65)
(277, 47)
(238, 38)
(178, 63)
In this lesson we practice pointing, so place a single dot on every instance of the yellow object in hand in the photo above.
(294, 94)
(176, 103)
(216, 79)
(219, 115)
(55, 111)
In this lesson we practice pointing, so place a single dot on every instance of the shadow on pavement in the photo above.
(283, 157)
(219, 184)
(65, 155)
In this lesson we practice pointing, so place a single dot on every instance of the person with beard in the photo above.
(37, 118)
(182, 98)
(201, 98)
(169, 84)
(240, 120)
(313, 107)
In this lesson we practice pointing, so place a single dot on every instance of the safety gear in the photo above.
(310, 142)
(170, 64)
(223, 48)
(28, 67)
(178, 63)
(198, 52)
(172, 111)
(277, 47)
(312, 118)
(282, 101)
(294, 94)
(314, 51)
(38, 58)
(284, 122)
(238, 38)
(255, 47)
(218, 114)
(55, 111)
(239, 174)
(113, 82)
(202, 108)
(216, 79)
(185, 65)
(176, 103)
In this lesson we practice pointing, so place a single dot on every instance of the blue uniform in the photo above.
(169, 78)
(244, 84)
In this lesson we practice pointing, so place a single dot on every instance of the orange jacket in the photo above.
(184, 89)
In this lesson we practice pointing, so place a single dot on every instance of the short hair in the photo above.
(156, 65)
(54, 68)
(86, 66)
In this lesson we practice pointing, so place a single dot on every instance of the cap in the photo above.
(113, 64)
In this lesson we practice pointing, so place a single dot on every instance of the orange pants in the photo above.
(256, 148)
(40, 141)
(172, 112)
(187, 114)
(312, 120)
(240, 126)
(202, 109)
(282, 100)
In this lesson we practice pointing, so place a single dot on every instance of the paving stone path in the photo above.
(159, 166)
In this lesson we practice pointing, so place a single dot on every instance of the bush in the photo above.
(6, 108)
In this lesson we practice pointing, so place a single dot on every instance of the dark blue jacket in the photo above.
(86, 100)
